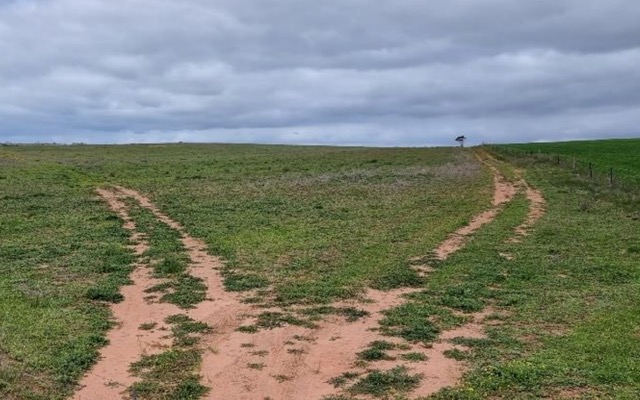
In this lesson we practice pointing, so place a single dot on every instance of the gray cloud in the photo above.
(393, 72)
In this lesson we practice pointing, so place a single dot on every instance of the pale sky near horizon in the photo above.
(383, 73)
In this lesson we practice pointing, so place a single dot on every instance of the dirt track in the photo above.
(110, 378)
(298, 361)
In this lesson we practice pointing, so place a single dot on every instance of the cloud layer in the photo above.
(390, 72)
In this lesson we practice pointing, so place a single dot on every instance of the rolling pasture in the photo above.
(259, 263)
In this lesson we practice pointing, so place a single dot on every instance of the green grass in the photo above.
(183, 330)
(315, 223)
(414, 357)
(571, 293)
(62, 256)
(381, 383)
(169, 259)
(309, 225)
(168, 375)
(456, 354)
(173, 374)
(377, 351)
(621, 154)
(419, 321)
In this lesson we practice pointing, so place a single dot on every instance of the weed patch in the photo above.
(185, 291)
(381, 383)
(414, 357)
(417, 322)
(183, 329)
(351, 314)
(377, 351)
(271, 320)
(168, 375)
(342, 380)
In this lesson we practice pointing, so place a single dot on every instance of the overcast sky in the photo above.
(383, 72)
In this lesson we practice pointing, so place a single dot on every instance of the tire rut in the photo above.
(537, 208)
(110, 377)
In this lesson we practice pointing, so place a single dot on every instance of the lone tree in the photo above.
(461, 139)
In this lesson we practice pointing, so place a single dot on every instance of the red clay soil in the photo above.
(289, 362)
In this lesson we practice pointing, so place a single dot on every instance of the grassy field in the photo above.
(60, 251)
(621, 154)
(309, 225)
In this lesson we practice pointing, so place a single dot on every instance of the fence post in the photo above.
(558, 160)
(590, 171)
(611, 175)
(574, 164)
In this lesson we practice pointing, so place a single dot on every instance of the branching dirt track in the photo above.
(298, 362)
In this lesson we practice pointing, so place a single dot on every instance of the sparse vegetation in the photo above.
(342, 380)
(349, 313)
(381, 383)
(248, 329)
(147, 326)
(282, 378)
(168, 375)
(184, 328)
(418, 321)
(169, 260)
(456, 354)
(377, 351)
(414, 357)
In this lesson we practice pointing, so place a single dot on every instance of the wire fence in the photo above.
(596, 172)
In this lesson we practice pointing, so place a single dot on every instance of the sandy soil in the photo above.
(290, 362)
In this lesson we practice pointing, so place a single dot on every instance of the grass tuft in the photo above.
(414, 357)
(377, 351)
